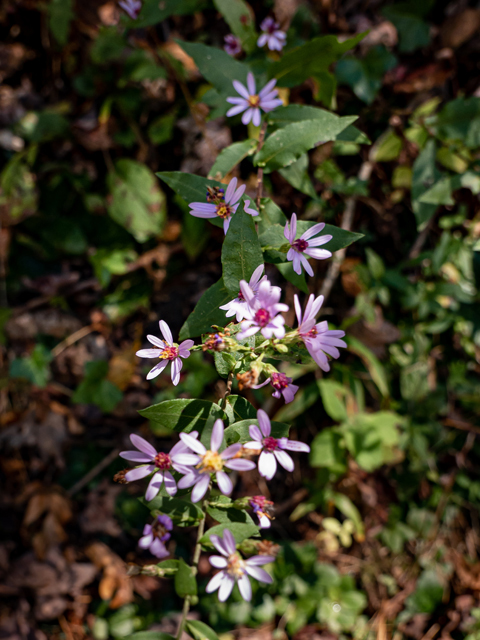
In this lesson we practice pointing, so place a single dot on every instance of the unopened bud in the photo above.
(120, 476)
(281, 348)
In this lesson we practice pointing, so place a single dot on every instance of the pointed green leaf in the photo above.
(241, 251)
(182, 414)
(185, 582)
(239, 408)
(207, 312)
(240, 531)
(201, 631)
(425, 175)
(229, 157)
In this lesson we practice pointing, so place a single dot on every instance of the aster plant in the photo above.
(245, 322)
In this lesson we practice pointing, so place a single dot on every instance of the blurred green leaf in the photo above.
(387, 147)
(229, 157)
(424, 175)
(200, 631)
(407, 17)
(96, 389)
(365, 75)
(34, 367)
(241, 20)
(60, 15)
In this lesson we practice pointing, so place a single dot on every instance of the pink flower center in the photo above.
(262, 317)
(280, 381)
(272, 27)
(223, 211)
(312, 333)
(260, 502)
(254, 101)
(270, 444)
(162, 461)
(300, 245)
(169, 353)
(240, 296)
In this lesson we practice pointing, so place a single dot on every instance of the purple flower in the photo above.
(153, 461)
(262, 311)
(232, 45)
(282, 385)
(251, 102)
(239, 306)
(235, 569)
(167, 351)
(318, 338)
(271, 36)
(219, 204)
(132, 7)
(155, 535)
(303, 245)
(272, 449)
(261, 506)
(204, 462)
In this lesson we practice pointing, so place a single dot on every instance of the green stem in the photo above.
(196, 558)
(228, 390)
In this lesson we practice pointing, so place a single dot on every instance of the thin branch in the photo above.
(93, 472)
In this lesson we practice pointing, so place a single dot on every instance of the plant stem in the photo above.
(228, 390)
(196, 558)
(261, 138)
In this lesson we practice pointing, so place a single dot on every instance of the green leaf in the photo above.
(137, 202)
(349, 510)
(199, 630)
(241, 251)
(375, 368)
(96, 389)
(229, 157)
(439, 193)
(296, 174)
(228, 515)
(154, 12)
(270, 214)
(286, 269)
(428, 594)
(217, 67)
(387, 147)
(182, 512)
(372, 438)
(413, 32)
(365, 76)
(239, 431)
(241, 20)
(150, 635)
(310, 59)
(328, 451)
(182, 414)
(60, 15)
(304, 398)
(334, 396)
(459, 121)
(224, 363)
(239, 408)
(161, 129)
(240, 531)
(185, 582)
(33, 368)
(109, 45)
(285, 145)
(207, 312)
(424, 176)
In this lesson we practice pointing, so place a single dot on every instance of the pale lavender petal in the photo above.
(231, 451)
(267, 465)
(215, 582)
(202, 214)
(177, 364)
(251, 83)
(157, 370)
(240, 464)
(219, 545)
(224, 483)
(217, 436)
(229, 541)
(264, 422)
(154, 486)
(219, 562)
(284, 459)
(298, 308)
(257, 117)
(247, 116)
(142, 445)
(158, 549)
(230, 189)
(226, 587)
(200, 488)
(262, 41)
(135, 456)
(237, 195)
(255, 432)
(259, 560)
(297, 264)
(156, 341)
(237, 101)
(318, 254)
(306, 264)
(241, 89)
(293, 445)
(260, 386)
(268, 88)
(245, 587)
(193, 444)
(186, 344)
(146, 541)
(166, 333)
(149, 353)
(253, 445)
(170, 484)
(188, 459)
(289, 392)
(236, 110)
(188, 481)
(317, 242)
(309, 233)
(140, 472)
(207, 207)
(259, 574)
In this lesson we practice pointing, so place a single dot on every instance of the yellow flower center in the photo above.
(169, 353)
(235, 565)
(211, 462)
(254, 101)
(223, 211)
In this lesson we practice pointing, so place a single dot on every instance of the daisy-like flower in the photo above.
(167, 351)
(155, 535)
(251, 102)
(235, 569)
(271, 36)
(317, 337)
(203, 462)
(305, 245)
(232, 45)
(261, 507)
(282, 385)
(262, 311)
(131, 7)
(272, 449)
(158, 463)
(239, 306)
(219, 204)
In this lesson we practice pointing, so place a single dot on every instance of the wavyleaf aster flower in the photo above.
(272, 36)
(272, 449)
(131, 7)
(234, 569)
(239, 306)
(232, 45)
(167, 351)
(282, 385)
(155, 535)
(152, 461)
(203, 462)
(251, 103)
(317, 337)
(305, 245)
(219, 204)
(262, 311)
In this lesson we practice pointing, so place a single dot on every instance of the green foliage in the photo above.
(241, 251)
(408, 17)
(60, 15)
(206, 312)
(185, 582)
(365, 75)
(182, 415)
(137, 202)
(201, 631)
(96, 389)
(240, 530)
(34, 368)
(241, 20)
(229, 157)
